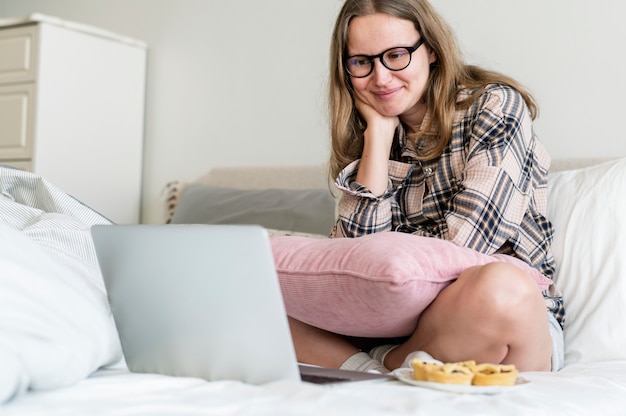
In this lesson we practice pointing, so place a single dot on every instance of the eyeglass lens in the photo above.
(394, 59)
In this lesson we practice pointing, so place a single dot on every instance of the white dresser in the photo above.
(72, 101)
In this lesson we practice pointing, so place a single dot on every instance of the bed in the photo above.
(60, 355)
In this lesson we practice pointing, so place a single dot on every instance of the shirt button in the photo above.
(428, 171)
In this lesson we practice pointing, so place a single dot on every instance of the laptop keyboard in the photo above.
(317, 379)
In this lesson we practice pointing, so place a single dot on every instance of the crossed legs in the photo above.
(492, 313)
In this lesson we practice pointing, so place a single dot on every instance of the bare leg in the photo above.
(319, 347)
(492, 313)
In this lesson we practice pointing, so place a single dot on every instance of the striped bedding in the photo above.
(55, 323)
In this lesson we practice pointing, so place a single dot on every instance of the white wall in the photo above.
(208, 105)
(570, 53)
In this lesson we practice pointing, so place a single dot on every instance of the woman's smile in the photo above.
(387, 94)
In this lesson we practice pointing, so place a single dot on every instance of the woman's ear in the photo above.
(432, 56)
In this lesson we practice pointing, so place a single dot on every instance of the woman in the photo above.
(424, 144)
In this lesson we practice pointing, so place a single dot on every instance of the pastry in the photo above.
(419, 369)
(494, 375)
(449, 373)
(465, 372)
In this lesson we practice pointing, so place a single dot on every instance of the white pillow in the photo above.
(55, 324)
(588, 209)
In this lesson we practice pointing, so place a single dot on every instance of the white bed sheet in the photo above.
(579, 389)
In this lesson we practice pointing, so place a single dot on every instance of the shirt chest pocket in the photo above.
(438, 196)
(430, 198)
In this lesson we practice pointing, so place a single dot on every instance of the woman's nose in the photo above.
(380, 73)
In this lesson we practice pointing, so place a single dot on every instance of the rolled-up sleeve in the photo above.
(360, 212)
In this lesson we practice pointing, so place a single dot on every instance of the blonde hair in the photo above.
(448, 75)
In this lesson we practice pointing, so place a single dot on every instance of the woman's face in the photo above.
(390, 93)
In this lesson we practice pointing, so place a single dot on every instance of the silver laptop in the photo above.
(202, 301)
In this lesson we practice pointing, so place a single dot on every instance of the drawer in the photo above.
(18, 54)
(20, 164)
(16, 121)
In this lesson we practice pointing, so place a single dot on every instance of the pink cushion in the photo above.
(371, 286)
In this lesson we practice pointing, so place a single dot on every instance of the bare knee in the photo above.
(501, 290)
(492, 313)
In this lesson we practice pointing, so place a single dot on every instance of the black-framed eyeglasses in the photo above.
(394, 59)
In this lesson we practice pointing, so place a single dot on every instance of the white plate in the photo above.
(406, 375)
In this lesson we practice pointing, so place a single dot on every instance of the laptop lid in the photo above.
(197, 300)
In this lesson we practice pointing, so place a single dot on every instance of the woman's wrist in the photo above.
(373, 168)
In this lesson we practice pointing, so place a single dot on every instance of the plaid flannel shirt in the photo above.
(487, 191)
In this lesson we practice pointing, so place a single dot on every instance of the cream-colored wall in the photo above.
(241, 83)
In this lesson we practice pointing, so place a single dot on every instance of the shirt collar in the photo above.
(409, 147)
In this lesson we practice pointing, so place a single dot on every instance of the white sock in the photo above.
(361, 361)
(380, 352)
(420, 355)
